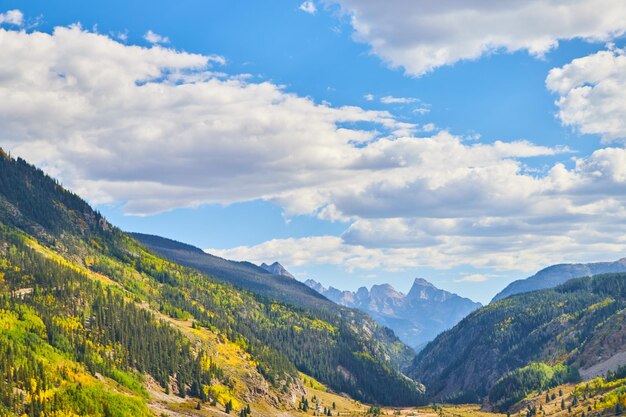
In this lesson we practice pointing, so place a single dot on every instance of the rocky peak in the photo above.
(276, 269)
(311, 283)
(416, 318)
(424, 290)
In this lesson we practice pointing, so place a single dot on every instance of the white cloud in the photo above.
(320, 250)
(420, 35)
(473, 278)
(12, 17)
(369, 97)
(155, 38)
(492, 216)
(397, 100)
(308, 7)
(157, 129)
(592, 93)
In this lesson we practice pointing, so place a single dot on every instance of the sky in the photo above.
(470, 143)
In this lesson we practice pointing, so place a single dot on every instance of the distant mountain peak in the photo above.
(421, 282)
(385, 290)
(311, 283)
(424, 290)
(416, 317)
(277, 269)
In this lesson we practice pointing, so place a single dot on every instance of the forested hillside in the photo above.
(285, 289)
(84, 304)
(578, 324)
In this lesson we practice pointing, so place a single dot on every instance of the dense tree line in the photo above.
(95, 326)
(516, 385)
(553, 325)
(42, 200)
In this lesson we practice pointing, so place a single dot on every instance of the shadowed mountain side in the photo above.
(242, 274)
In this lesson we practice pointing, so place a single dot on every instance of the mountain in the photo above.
(250, 277)
(555, 275)
(547, 335)
(416, 317)
(276, 269)
(92, 322)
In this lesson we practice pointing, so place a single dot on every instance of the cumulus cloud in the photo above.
(511, 221)
(12, 17)
(157, 129)
(420, 35)
(155, 38)
(592, 93)
(308, 7)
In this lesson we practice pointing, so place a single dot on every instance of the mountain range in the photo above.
(555, 275)
(416, 317)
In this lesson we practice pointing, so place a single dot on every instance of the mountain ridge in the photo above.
(555, 275)
(277, 269)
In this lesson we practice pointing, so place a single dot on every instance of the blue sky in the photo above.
(347, 53)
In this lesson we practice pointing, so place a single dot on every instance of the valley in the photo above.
(313, 208)
(94, 321)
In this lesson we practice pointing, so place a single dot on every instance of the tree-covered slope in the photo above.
(124, 308)
(248, 276)
(579, 324)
